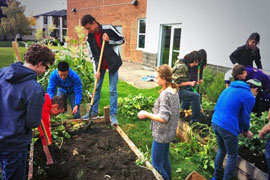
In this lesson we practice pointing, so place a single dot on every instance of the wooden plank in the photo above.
(107, 114)
(138, 153)
(98, 120)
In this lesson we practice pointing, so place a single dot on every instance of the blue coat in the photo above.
(233, 108)
(71, 84)
(21, 101)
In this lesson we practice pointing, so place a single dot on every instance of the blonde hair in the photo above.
(165, 72)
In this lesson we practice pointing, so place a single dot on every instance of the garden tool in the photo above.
(95, 87)
(15, 47)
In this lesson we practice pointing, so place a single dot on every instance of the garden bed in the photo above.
(100, 153)
(249, 166)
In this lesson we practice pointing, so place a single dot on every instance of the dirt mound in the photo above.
(99, 154)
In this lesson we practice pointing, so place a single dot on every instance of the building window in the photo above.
(45, 20)
(141, 34)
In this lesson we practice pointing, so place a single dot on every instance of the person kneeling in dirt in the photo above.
(240, 72)
(232, 117)
(265, 130)
(69, 86)
(181, 78)
(53, 106)
(164, 120)
(21, 100)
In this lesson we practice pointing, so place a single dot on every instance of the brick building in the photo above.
(128, 16)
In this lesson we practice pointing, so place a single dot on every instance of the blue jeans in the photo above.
(267, 157)
(160, 159)
(71, 98)
(113, 80)
(194, 98)
(227, 144)
(13, 165)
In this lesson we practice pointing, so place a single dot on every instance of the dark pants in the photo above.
(194, 98)
(160, 159)
(13, 165)
(267, 157)
(227, 144)
(71, 98)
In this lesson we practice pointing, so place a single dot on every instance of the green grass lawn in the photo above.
(7, 55)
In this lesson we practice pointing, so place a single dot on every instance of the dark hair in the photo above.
(165, 72)
(238, 70)
(60, 101)
(37, 53)
(192, 57)
(202, 57)
(63, 66)
(87, 19)
(254, 36)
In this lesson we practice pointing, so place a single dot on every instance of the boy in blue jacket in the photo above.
(69, 86)
(231, 118)
(21, 101)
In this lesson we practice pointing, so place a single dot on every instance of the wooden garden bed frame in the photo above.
(245, 170)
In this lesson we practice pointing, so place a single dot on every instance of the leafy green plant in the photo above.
(255, 144)
(131, 105)
(146, 157)
(216, 87)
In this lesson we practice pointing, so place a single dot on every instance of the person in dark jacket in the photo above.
(111, 60)
(246, 54)
(231, 118)
(21, 101)
(69, 86)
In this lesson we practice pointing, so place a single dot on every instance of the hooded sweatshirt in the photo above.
(233, 108)
(21, 101)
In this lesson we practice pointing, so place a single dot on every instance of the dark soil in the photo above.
(99, 154)
(258, 161)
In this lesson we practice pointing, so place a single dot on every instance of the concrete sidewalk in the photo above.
(133, 73)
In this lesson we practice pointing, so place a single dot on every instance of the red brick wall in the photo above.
(115, 12)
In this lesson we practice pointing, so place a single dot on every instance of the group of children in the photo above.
(232, 112)
(23, 105)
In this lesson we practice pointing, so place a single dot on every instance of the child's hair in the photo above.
(191, 57)
(238, 70)
(254, 36)
(37, 53)
(165, 72)
(60, 101)
(63, 66)
(202, 57)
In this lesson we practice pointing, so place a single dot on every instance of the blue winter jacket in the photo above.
(233, 108)
(21, 101)
(71, 84)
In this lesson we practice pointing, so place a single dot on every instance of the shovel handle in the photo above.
(98, 70)
(15, 47)
(45, 133)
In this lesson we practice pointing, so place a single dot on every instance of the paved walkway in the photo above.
(133, 73)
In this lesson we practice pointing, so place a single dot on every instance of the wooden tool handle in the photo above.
(45, 133)
(15, 47)
(98, 70)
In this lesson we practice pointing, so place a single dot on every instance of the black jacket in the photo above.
(245, 56)
(111, 52)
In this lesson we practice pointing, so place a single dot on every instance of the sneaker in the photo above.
(114, 121)
(86, 116)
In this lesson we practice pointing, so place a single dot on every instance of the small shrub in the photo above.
(216, 87)
(131, 105)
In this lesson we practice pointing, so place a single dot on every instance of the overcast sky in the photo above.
(42, 6)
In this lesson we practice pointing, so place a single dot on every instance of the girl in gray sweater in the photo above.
(164, 120)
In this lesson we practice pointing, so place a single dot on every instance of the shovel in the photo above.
(95, 88)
